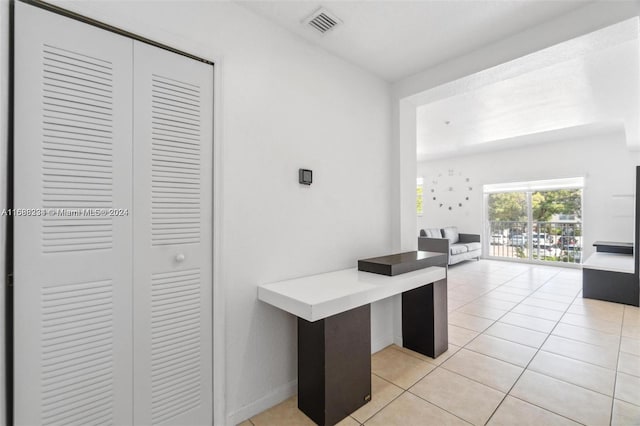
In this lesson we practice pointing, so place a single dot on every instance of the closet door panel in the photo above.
(173, 109)
(72, 266)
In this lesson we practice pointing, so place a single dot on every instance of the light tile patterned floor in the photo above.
(525, 349)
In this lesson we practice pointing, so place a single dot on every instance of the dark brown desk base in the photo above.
(334, 365)
(619, 287)
(424, 319)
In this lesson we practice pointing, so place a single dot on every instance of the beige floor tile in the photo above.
(382, 393)
(561, 288)
(516, 334)
(501, 295)
(484, 369)
(526, 321)
(495, 303)
(513, 411)
(610, 327)
(625, 414)
(574, 402)
(463, 397)
(555, 297)
(246, 423)
(348, 421)
(460, 336)
(470, 322)
(598, 379)
(632, 313)
(437, 361)
(609, 312)
(460, 297)
(283, 414)
(630, 346)
(408, 409)
(473, 290)
(525, 285)
(544, 303)
(632, 331)
(599, 355)
(504, 350)
(399, 368)
(453, 304)
(628, 388)
(630, 364)
(586, 335)
(482, 311)
(600, 304)
(515, 290)
(538, 312)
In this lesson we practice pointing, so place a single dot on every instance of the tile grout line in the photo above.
(497, 320)
(415, 383)
(540, 347)
(546, 409)
(396, 385)
(615, 378)
(508, 393)
(507, 312)
(433, 403)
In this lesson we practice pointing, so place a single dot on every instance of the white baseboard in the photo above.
(273, 398)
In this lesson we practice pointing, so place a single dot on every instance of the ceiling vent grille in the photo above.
(322, 20)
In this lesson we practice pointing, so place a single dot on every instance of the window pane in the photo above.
(557, 225)
(508, 224)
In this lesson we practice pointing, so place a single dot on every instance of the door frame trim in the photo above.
(67, 13)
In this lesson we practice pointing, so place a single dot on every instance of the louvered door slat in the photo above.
(72, 272)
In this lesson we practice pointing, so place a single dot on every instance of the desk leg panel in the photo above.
(611, 286)
(425, 318)
(334, 365)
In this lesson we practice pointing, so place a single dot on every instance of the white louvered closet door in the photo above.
(173, 104)
(113, 313)
(72, 274)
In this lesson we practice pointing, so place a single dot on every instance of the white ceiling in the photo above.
(576, 88)
(395, 39)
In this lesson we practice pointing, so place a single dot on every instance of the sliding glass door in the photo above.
(534, 225)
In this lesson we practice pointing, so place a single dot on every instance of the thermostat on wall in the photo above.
(305, 176)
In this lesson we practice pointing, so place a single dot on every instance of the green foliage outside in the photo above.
(549, 203)
(419, 200)
(512, 206)
(508, 207)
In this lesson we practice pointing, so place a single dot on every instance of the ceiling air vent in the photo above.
(322, 20)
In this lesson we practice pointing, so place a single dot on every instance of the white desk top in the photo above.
(614, 262)
(319, 296)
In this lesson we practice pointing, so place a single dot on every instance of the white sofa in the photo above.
(448, 240)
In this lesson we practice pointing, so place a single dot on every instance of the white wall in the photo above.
(281, 104)
(604, 161)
